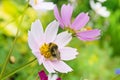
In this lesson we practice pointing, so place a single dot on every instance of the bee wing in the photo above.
(58, 55)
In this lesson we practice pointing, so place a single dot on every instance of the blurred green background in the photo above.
(97, 60)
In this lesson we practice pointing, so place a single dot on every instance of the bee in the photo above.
(54, 51)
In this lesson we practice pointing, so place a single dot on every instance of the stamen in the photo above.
(45, 50)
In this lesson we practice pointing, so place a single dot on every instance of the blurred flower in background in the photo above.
(75, 27)
(117, 71)
(99, 9)
(10, 30)
(41, 5)
(101, 1)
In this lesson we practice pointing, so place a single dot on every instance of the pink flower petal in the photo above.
(66, 13)
(58, 79)
(49, 67)
(89, 35)
(51, 31)
(68, 53)
(61, 66)
(63, 39)
(37, 32)
(58, 17)
(80, 21)
(43, 75)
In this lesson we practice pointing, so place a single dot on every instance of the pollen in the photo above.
(88, 28)
(44, 49)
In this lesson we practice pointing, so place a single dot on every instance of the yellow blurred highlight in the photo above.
(93, 59)
(88, 28)
(10, 30)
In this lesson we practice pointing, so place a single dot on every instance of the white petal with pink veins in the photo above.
(38, 55)
(37, 32)
(51, 31)
(48, 65)
(68, 53)
(63, 39)
(61, 66)
(32, 42)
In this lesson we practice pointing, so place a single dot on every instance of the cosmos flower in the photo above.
(75, 27)
(50, 48)
(99, 9)
(41, 5)
(43, 76)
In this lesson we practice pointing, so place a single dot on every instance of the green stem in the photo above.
(11, 49)
(116, 77)
(10, 52)
(18, 69)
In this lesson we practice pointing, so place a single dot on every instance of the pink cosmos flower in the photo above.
(50, 48)
(76, 27)
(43, 76)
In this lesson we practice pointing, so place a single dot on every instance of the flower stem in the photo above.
(10, 52)
(11, 49)
(18, 69)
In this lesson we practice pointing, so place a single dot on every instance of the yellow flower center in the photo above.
(50, 51)
(88, 28)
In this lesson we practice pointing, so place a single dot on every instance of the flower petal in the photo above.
(49, 67)
(38, 55)
(52, 76)
(99, 9)
(43, 75)
(44, 6)
(32, 42)
(63, 39)
(68, 53)
(58, 79)
(89, 35)
(37, 32)
(80, 21)
(66, 13)
(51, 31)
(58, 17)
(103, 12)
(61, 66)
